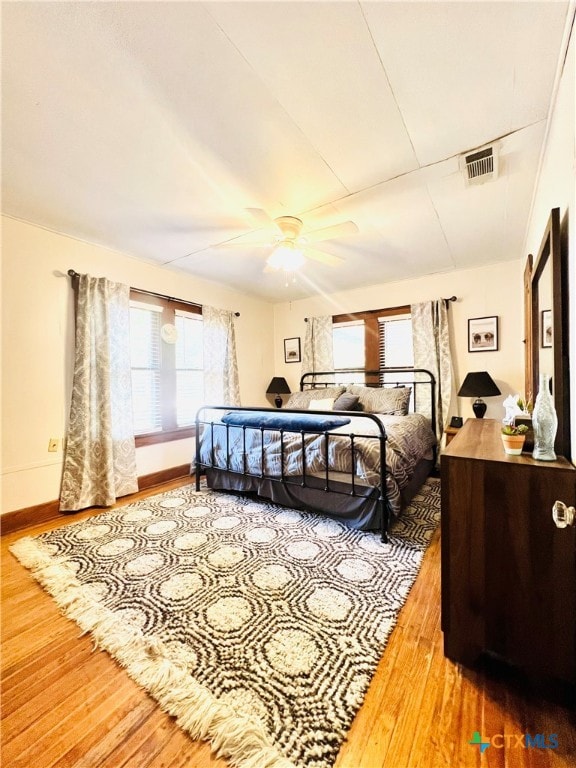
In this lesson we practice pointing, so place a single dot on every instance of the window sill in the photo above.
(165, 437)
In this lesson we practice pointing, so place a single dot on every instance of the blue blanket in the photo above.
(282, 420)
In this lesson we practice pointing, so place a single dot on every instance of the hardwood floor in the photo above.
(65, 705)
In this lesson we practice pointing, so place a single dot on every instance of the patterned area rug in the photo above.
(258, 627)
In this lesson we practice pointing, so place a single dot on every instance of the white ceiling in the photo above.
(161, 129)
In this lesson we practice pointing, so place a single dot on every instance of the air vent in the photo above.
(480, 166)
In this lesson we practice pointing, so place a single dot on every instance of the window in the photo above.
(372, 340)
(146, 367)
(348, 348)
(167, 367)
(395, 348)
(189, 367)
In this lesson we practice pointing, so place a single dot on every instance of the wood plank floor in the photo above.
(65, 705)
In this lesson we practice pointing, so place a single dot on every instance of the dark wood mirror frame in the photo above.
(553, 252)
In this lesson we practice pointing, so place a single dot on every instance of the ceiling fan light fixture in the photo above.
(286, 256)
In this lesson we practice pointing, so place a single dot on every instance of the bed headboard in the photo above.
(422, 382)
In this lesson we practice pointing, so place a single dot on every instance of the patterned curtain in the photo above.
(317, 354)
(431, 342)
(221, 385)
(100, 458)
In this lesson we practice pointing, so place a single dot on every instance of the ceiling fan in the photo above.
(289, 249)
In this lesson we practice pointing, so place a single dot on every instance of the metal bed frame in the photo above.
(318, 380)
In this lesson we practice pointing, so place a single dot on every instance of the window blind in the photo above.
(146, 356)
(189, 367)
(348, 348)
(395, 342)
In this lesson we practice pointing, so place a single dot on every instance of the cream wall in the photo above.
(491, 290)
(556, 188)
(37, 348)
(487, 291)
(37, 321)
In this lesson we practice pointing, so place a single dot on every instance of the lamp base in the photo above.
(278, 401)
(479, 408)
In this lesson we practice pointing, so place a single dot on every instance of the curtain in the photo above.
(221, 385)
(431, 342)
(100, 456)
(317, 354)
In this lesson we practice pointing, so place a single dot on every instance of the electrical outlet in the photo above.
(53, 444)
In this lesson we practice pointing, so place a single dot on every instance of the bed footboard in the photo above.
(296, 456)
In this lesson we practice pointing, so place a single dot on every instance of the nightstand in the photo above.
(450, 433)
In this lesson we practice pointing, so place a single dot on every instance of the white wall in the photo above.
(556, 188)
(38, 341)
(486, 291)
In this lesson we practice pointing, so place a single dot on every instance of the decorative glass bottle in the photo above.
(545, 421)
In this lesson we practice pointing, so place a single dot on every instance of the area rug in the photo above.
(258, 627)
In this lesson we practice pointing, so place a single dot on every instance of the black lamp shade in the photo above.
(278, 386)
(478, 384)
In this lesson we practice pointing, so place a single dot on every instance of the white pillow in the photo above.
(321, 405)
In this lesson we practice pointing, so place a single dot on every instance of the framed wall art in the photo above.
(292, 350)
(546, 328)
(483, 334)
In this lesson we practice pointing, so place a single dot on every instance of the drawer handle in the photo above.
(562, 515)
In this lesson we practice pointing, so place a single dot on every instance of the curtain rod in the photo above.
(72, 273)
(446, 301)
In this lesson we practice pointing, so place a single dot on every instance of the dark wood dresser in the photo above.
(508, 572)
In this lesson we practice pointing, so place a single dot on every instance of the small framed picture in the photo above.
(292, 350)
(546, 328)
(483, 334)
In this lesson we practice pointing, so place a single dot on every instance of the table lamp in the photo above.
(478, 384)
(278, 386)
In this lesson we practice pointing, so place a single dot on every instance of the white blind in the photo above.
(146, 364)
(189, 367)
(349, 348)
(395, 343)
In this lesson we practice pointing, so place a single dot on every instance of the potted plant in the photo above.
(525, 405)
(513, 437)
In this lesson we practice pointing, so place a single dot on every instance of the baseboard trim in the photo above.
(50, 510)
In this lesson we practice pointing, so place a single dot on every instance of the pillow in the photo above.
(346, 402)
(302, 400)
(389, 400)
(281, 420)
(322, 405)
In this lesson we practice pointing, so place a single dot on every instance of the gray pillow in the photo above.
(346, 402)
(389, 400)
(301, 400)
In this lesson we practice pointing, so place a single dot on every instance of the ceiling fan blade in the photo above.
(344, 229)
(323, 257)
(192, 225)
(238, 243)
(259, 216)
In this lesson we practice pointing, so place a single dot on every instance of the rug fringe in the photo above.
(243, 740)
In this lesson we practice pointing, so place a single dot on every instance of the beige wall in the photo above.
(37, 344)
(556, 188)
(37, 321)
(487, 291)
(491, 290)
